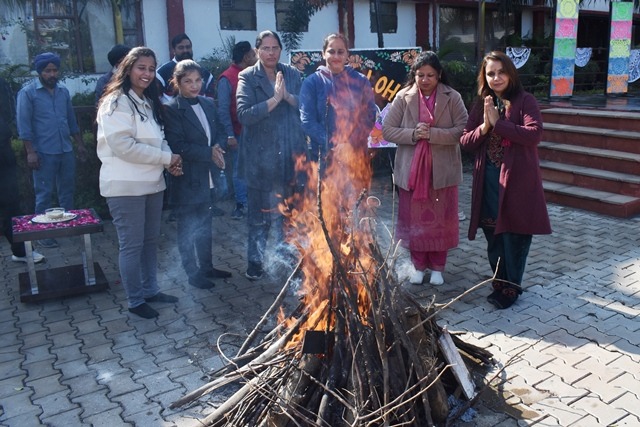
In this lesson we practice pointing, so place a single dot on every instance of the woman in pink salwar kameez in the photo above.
(426, 120)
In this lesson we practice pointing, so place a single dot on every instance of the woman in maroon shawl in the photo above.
(507, 202)
(426, 120)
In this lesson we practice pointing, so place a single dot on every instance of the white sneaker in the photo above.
(37, 257)
(436, 278)
(416, 277)
(461, 216)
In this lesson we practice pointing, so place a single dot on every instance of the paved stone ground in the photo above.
(569, 347)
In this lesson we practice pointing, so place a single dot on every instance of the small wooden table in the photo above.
(61, 281)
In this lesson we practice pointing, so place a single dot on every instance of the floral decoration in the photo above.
(22, 224)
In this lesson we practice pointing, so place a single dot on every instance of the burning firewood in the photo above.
(358, 350)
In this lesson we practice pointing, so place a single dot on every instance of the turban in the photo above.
(44, 59)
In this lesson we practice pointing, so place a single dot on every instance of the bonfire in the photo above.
(358, 350)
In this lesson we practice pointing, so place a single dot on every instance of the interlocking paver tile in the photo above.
(92, 334)
(607, 392)
(9, 338)
(39, 369)
(28, 418)
(629, 402)
(46, 386)
(566, 372)
(629, 421)
(109, 418)
(67, 418)
(563, 413)
(142, 367)
(603, 413)
(625, 347)
(54, 404)
(628, 382)
(83, 384)
(94, 403)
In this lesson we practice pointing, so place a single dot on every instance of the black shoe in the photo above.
(504, 298)
(254, 272)
(200, 282)
(160, 297)
(214, 273)
(171, 217)
(238, 212)
(215, 211)
(144, 310)
(47, 243)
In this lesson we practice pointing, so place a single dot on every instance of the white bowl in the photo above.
(54, 213)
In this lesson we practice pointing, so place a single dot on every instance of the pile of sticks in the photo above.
(366, 355)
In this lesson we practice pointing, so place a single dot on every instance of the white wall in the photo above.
(154, 24)
(202, 23)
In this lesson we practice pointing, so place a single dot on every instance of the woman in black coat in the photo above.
(193, 131)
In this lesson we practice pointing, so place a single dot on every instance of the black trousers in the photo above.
(195, 244)
(9, 195)
(511, 250)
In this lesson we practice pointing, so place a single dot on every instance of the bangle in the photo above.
(274, 98)
(231, 137)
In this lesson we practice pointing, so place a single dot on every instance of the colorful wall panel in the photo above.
(619, 47)
(564, 50)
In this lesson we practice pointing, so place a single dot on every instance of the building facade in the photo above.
(83, 31)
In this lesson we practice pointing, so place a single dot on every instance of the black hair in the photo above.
(240, 50)
(120, 82)
(267, 33)
(177, 39)
(116, 54)
(427, 57)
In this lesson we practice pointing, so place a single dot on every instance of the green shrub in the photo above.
(462, 77)
(87, 194)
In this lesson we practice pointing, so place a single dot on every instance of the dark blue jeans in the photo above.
(57, 172)
(239, 184)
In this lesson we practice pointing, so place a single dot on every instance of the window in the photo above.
(458, 32)
(285, 22)
(238, 15)
(388, 16)
(80, 32)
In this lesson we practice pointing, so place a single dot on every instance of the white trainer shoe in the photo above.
(37, 257)
(416, 277)
(461, 216)
(436, 278)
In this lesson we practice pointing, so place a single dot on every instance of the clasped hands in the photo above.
(491, 115)
(422, 131)
(280, 89)
(175, 166)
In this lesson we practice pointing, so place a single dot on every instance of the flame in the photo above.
(327, 232)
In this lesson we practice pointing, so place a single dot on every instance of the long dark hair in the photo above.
(515, 85)
(121, 83)
(427, 57)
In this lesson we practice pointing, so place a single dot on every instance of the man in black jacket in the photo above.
(9, 196)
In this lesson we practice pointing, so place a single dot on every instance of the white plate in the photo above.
(43, 219)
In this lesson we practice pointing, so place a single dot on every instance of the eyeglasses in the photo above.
(267, 49)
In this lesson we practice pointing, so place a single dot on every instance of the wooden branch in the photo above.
(272, 309)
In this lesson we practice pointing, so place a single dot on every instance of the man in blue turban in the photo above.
(46, 122)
